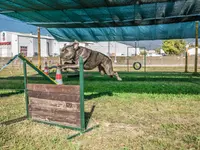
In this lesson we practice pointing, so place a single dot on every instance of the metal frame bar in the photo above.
(58, 125)
(8, 62)
(25, 88)
(196, 46)
(186, 60)
(37, 69)
(81, 80)
(82, 132)
(145, 60)
(39, 49)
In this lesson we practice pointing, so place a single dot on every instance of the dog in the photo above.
(70, 56)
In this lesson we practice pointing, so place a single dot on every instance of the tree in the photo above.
(174, 47)
(143, 52)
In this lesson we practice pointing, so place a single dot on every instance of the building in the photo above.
(191, 51)
(13, 43)
(113, 48)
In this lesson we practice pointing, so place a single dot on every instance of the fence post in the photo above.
(39, 49)
(186, 58)
(127, 59)
(81, 78)
(25, 88)
(145, 60)
(196, 46)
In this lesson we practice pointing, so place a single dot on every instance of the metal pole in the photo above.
(196, 47)
(135, 49)
(25, 88)
(186, 58)
(145, 58)
(127, 60)
(108, 48)
(115, 61)
(81, 78)
(39, 49)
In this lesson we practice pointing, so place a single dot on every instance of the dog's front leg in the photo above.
(69, 66)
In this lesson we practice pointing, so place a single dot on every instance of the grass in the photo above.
(148, 111)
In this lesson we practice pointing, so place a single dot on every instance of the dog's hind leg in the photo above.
(107, 65)
(101, 70)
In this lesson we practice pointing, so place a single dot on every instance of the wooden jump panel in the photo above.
(58, 104)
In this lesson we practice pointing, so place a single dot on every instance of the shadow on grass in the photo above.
(96, 95)
(88, 116)
(13, 120)
(11, 93)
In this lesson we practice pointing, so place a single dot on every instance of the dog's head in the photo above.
(68, 52)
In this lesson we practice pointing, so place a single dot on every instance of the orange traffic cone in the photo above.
(59, 76)
(46, 69)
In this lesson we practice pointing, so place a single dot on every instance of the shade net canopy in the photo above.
(103, 20)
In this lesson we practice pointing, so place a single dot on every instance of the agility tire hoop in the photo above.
(137, 65)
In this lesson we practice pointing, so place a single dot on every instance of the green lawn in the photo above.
(147, 111)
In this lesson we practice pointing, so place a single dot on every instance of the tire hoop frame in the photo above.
(135, 65)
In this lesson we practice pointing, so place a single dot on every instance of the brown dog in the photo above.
(70, 56)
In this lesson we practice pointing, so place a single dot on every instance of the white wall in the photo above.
(115, 47)
(43, 44)
(14, 44)
(28, 42)
(192, 51)
(55, 47)
(35, 45)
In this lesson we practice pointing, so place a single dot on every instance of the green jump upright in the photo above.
(81, 80)
(25, 88)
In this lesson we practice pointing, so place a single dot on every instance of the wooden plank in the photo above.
(57, 122)
(53, 111)
(54, 96)
(55, 119)
(51, 116)
(62, 105)
(70, 89)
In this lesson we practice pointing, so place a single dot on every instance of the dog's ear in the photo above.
(76, 45)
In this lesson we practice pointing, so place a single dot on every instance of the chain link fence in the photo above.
(121, 63)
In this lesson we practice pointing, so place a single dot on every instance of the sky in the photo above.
(9, 24)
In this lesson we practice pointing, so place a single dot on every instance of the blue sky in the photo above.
(9, 24)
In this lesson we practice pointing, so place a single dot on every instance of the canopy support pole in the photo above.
(128, 59)
(145, 60)
(196, 46)
(39, 49)
(186, 59)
